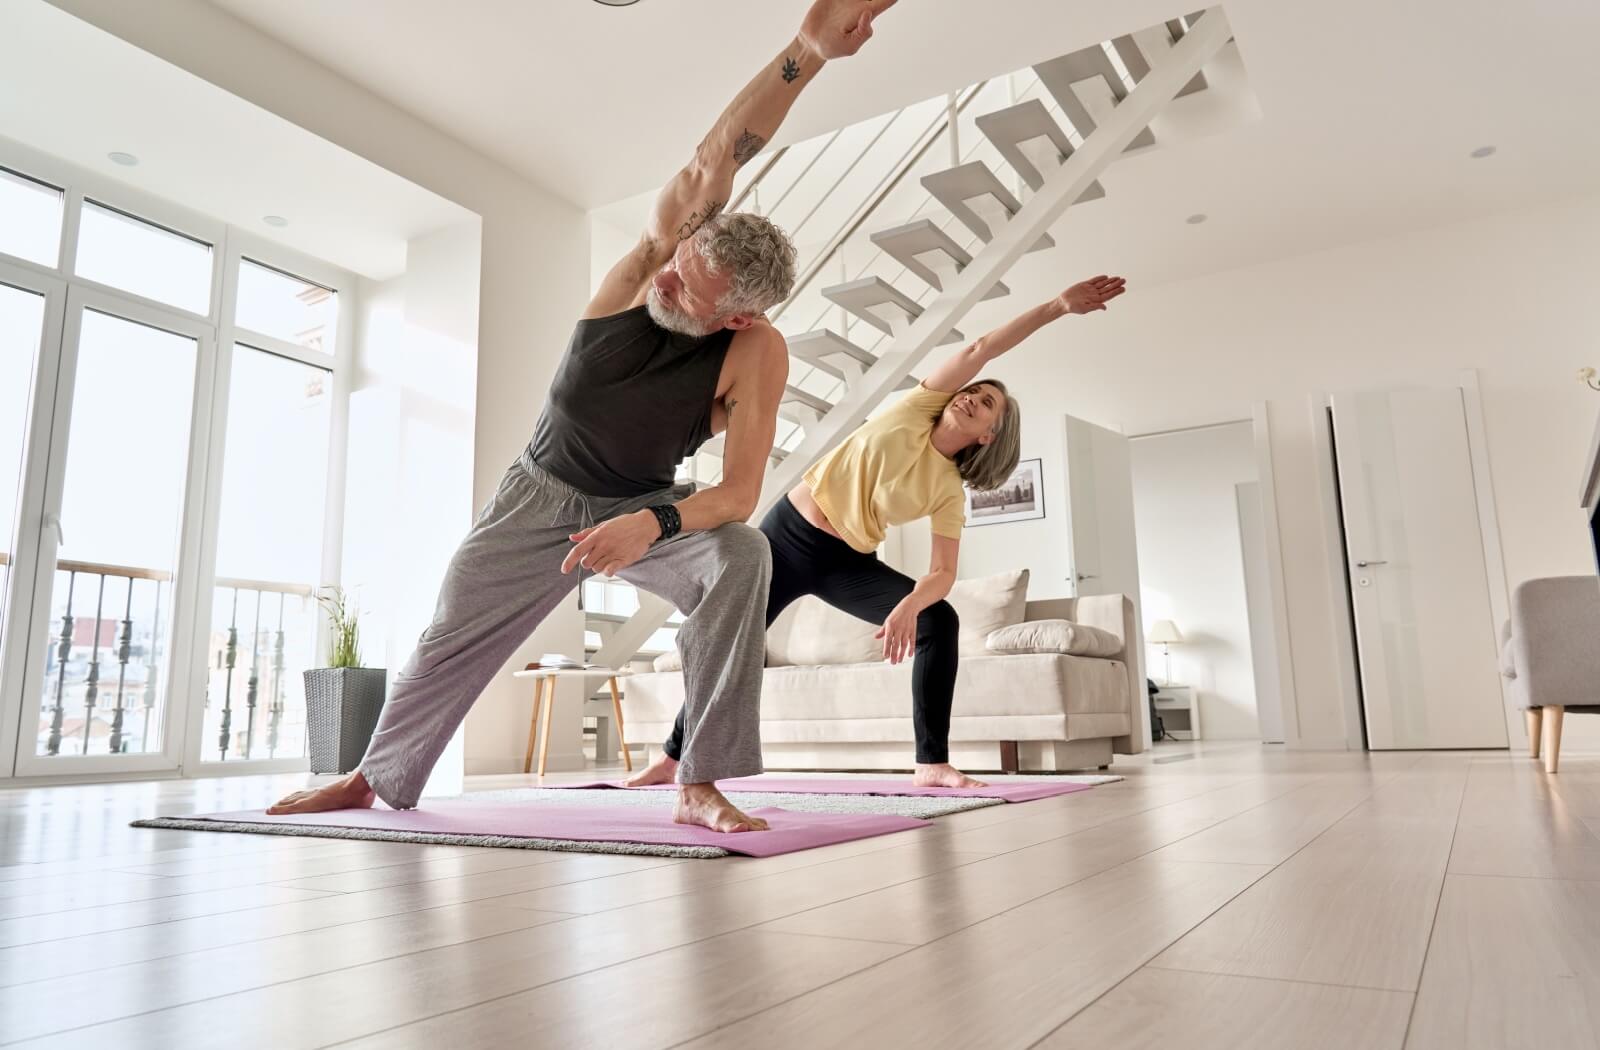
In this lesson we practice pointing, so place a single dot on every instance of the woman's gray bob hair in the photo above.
(985, 467)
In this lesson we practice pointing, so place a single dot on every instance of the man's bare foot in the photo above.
(943, 775)
(350, 793)
(704, 805)
(663, 770)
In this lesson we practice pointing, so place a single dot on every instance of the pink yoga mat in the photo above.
(1013, 791)
(789, 831)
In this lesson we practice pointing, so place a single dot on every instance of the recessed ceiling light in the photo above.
(1482, 152)
(127, 160)
(1195, 219)
(274, 220)
(617, 3)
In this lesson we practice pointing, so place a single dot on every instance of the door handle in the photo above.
(1364, 564)
(53, 521)
(1087, 576)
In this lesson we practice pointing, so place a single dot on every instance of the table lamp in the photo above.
(1166, 632)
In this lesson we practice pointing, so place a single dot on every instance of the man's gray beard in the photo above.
(676, 320)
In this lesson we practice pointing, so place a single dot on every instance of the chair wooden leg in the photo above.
(616, 709)
(1008, 757)
(533, 723)
(544, 742)
(1535, 717)
(1552, 738)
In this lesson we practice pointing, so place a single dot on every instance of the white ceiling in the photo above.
(75, 92)
(598, 103)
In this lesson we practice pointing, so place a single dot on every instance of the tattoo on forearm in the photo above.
(732, 404)
(791, 71)
(699, 218)
(746, 148)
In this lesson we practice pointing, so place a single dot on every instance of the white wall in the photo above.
(534, 269)
(1191, 569)
(1511, 295)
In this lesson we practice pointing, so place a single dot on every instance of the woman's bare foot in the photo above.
(350, 793)
(704, 805)
(943, 775)
(663, 770)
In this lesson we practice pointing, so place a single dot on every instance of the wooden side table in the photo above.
(544, 699)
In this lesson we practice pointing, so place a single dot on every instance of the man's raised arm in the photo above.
(832, 29)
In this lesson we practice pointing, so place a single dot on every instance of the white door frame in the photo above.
(176, 705)
(1494, 560)
(1262, 432)
(24, 539)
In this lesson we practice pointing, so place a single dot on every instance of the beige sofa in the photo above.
(1043, 686)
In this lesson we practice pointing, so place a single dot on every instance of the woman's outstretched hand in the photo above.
(1091, 295)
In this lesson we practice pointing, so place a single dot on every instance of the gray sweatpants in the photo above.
(506, 578)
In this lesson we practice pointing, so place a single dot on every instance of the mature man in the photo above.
(673, 349)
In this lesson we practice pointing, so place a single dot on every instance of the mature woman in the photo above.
(910, 462)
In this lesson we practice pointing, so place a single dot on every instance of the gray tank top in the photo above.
(630, 401)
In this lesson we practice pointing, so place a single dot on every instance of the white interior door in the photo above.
(1104, 553)
(1424, 631)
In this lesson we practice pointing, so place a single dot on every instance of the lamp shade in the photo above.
(1164, 631)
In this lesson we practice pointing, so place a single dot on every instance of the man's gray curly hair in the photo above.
(759, 257)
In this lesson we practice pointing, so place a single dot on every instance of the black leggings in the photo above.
(806, 560)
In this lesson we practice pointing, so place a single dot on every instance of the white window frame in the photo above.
(82, 298)
(342, 363)
(66, 295)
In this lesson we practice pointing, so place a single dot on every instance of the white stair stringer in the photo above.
(1169, 74)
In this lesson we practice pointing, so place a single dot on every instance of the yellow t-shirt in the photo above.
(889, 473)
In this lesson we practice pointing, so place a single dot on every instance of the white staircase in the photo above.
(1108, 110)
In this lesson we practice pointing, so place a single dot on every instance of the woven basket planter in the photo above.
(342, 708)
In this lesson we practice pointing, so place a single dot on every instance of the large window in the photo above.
(165, 499)
(106, 661)
(269, 556)
(126, 252)
(30, 218)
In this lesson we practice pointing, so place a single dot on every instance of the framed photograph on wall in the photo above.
(1021, 498)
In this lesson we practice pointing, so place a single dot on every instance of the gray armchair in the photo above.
(1550, 653)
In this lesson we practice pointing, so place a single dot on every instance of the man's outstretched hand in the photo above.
(838, 28)
(613, 546)
(1091, 295)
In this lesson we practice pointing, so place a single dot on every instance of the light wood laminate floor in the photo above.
(1226, 896)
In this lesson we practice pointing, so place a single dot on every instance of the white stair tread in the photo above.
(1059, 74)
(818, 348)
(794, 395)
(905, 243)
(953, 187)
(859, 297)
(1008, 129)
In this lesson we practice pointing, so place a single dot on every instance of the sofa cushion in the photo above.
(1055, 636)
(811, 632)
(986, 604)
(669, 661)
(986, 686)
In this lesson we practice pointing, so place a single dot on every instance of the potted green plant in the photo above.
(343, 699)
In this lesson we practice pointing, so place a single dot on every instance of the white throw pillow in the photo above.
(811, 632)
(669, 661)
(1055, 636)
(987, 604)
